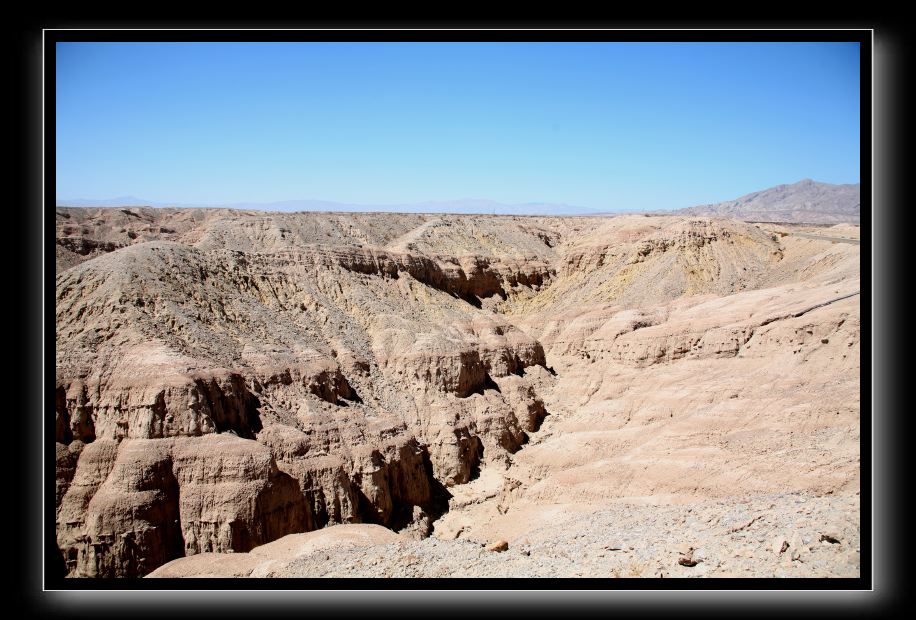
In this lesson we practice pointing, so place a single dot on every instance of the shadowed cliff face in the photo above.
(228, 378)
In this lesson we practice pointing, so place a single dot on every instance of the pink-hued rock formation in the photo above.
(226, 379)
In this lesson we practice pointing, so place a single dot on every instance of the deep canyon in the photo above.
(610, 396)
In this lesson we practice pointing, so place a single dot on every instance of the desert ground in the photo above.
(253, 394)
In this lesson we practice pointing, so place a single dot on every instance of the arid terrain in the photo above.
(243, 393)
(807, 201)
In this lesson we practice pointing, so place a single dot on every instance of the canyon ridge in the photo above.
(254, 394)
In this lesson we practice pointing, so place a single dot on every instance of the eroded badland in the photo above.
(393, 394)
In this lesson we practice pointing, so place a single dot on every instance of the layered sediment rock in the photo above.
(136, 504)
(225, 379)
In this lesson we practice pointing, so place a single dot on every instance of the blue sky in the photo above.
(603, 125)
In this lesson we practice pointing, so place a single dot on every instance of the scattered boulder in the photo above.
(499, 546)
(779, 545)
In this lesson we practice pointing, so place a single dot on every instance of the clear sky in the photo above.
(601, 125)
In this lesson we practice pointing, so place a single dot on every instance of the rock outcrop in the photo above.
(226, 379)
(135, 504)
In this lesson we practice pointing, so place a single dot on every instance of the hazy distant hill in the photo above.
(803, 202)
(453, 206)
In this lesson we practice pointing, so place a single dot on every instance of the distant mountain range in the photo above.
(806, 202)
(473, 205)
